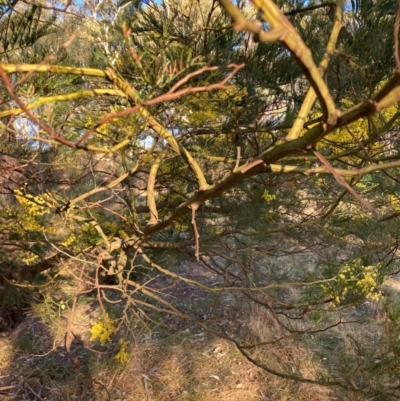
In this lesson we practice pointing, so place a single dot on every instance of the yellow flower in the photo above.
(102, 330)
(122, 357)
(69, 240)
(268, 197)
(353, 283)
(30, 259)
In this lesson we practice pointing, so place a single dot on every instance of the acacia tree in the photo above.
(236, 134)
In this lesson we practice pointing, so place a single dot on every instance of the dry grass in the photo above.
(196, 369)
(188, 365)
(180, 367)
(290, 355)
(184, 363)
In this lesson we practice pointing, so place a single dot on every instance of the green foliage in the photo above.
(21, 27)
(392, 328)
(162, 133)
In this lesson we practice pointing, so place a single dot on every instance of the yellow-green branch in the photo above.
(63, 98)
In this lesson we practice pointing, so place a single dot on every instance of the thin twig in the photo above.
(310, 8)
(396, 37)
(196, 232)
(341, 181)
(53, 8)
(146, 387)
(237, 158)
